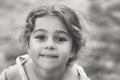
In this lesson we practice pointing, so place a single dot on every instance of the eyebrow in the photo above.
(57, 31)
(64, 32)
(39, 30)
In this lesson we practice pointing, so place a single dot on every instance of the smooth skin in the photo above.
(49, 48)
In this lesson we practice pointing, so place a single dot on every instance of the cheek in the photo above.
(34, 51)
(64, 56)
(34, 48)
(65, 50)
(66, 47)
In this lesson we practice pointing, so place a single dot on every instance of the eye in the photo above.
(61, 39)
(41, 37)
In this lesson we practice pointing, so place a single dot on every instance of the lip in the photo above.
(49, 56)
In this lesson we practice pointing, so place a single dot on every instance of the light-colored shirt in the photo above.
(17, 72)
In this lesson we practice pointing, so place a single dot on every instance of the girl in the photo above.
(53, 39)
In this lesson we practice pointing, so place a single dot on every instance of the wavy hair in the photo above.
(67, 16)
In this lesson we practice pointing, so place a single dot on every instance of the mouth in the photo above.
(49, 56)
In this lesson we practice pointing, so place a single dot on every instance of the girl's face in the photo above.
(50, 44)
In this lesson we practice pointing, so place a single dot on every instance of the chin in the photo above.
(48, 65)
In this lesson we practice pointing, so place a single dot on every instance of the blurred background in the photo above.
(103, 62)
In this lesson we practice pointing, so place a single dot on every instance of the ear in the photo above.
(28, 50)
(72, 54)
(27, 44)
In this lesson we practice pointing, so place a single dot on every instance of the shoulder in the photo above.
(80, 72)
(75, 72)
(14, 72)
(10, 73)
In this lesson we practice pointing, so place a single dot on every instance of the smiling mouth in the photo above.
(50, 56)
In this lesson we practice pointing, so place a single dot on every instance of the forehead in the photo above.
(49, 23)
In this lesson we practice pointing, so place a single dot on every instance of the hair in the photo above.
(67, 16)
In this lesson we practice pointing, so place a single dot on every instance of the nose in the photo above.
(50, 44)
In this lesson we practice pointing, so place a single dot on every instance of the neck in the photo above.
(43, 74)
